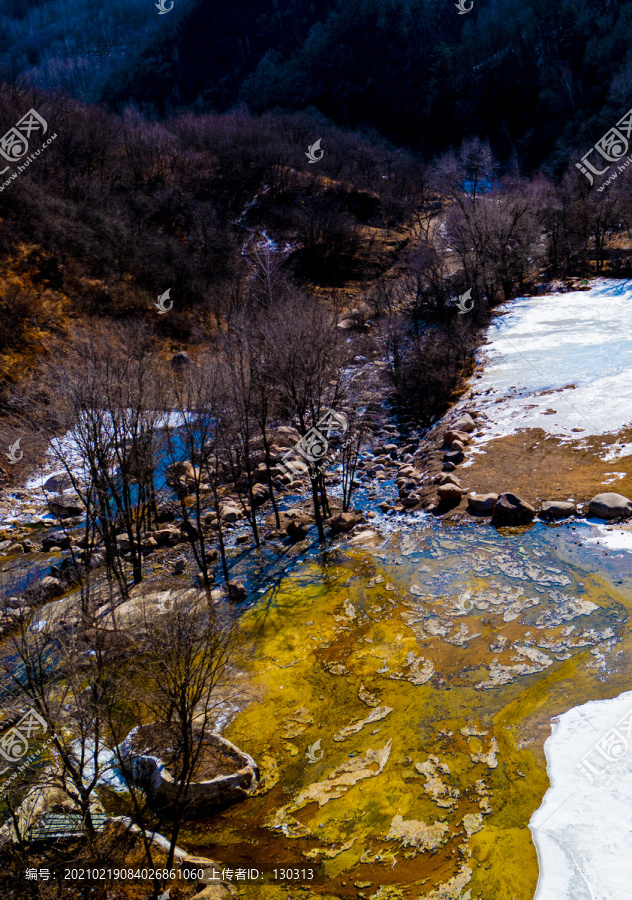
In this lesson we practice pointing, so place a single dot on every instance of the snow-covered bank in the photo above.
(583, 829)
(561, 362)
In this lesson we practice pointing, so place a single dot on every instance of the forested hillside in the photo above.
(540, 80)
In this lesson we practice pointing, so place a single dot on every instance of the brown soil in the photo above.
(538, 467)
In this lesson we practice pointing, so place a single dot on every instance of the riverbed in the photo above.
(399, 689)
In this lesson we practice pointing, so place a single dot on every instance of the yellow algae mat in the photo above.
(397, 702)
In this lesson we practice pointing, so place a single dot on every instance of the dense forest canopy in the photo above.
(542, 81)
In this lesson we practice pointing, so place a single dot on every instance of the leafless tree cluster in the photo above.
(92, 683)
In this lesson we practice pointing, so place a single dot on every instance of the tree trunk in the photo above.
(317, 512)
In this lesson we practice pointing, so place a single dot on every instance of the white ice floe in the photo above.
(615, 538)
(561, 362)
(583, 829)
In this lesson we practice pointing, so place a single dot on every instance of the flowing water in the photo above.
(397, 691)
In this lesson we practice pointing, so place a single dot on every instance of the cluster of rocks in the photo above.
(507, 508)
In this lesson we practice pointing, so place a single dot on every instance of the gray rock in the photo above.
(511, 510)
(557, 509)
(464, 423)
(454, 456)
(168, 536)
(64, 508)
(610, 506)
(237, 592)
(448, 478)
(449, 467)
(481, 504)
(51, 586)
(230, 513)
(69, 571)
(297, 530)
(452, 435)
(179, 566)
(182, 473)
(345, 521)
(165, 514)
(58, 483)
(260, 494)
(56, 539)
(286, 436)
(450, 492)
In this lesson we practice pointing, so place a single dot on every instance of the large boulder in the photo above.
(180, 470)
(296, 529)
(165, 514)
(180, 360)
(481, 504)
(448, 478)
(65, 508)
(610, 506)
(345, 521)
(260, 494)
(286, 436)
(511, 510)
(227, 774)
(452, 435)
(464, 423)
(168, 536)
(50, 586)
(260, 474)
(56, 539)
(58, 483)
(230, 513)
(557, 509)
(448, 493)
(70, 572)
(237, 592)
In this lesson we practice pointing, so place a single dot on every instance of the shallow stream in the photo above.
(398, 691)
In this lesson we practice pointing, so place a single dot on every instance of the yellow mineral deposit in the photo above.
(431, 721)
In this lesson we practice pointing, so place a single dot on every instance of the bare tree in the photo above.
(61, 679)
(197, 434)
(307, 359)
(113, 441)
(182, 665)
